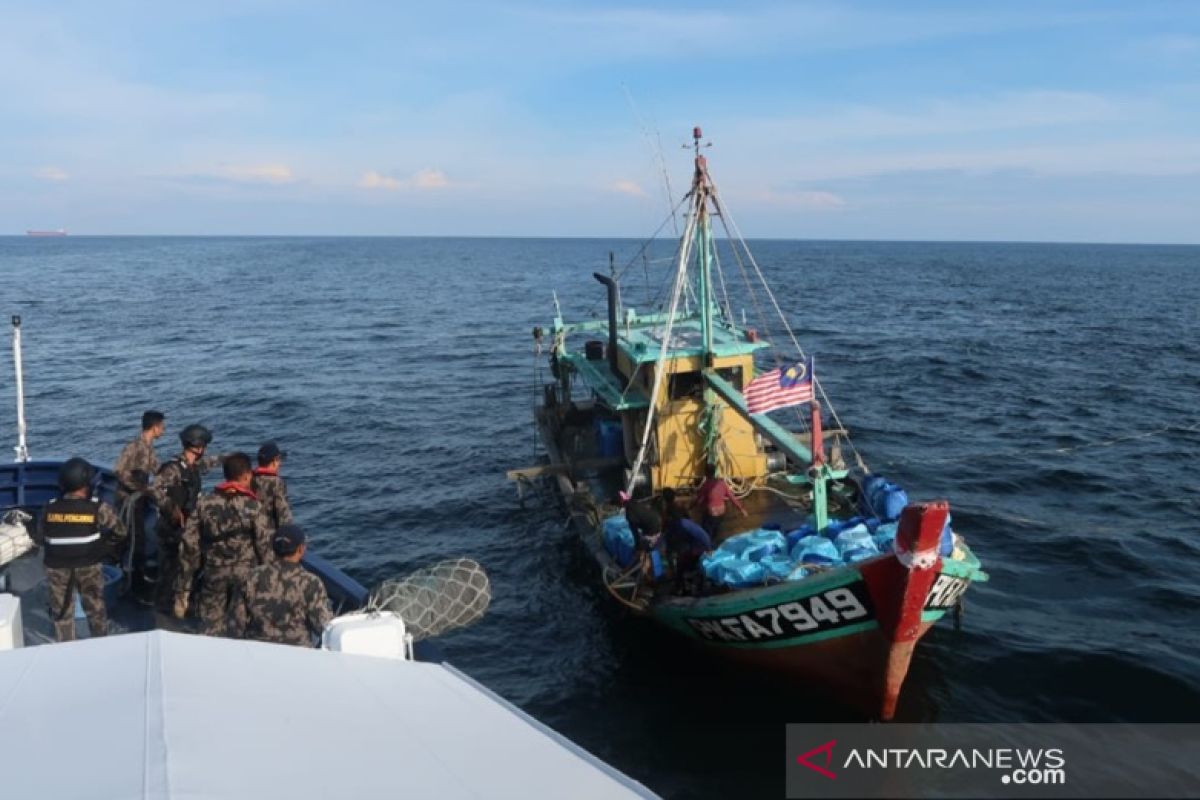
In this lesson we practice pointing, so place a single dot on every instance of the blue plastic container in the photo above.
(754, 545)
(609, 439)
(885, 537)
(815, 550)
(947, 542)
(884, 499)
(778, 566)
(112, 583)
(798, 534)
(739, 574)
(618, 540)
(855, 544)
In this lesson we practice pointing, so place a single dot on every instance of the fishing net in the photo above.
(435, 599)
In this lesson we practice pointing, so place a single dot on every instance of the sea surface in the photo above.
(1051, 392)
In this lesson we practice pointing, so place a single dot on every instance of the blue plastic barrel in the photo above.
(609, 439)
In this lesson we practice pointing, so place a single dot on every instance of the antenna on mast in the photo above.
(658, 154)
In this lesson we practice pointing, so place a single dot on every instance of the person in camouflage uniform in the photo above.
(136, 465)
(176, 491)
(232, 534)
(72, 530)
(270, 487)
(282, 602)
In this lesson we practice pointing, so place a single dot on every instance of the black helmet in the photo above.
(75, 474)
(195, 436)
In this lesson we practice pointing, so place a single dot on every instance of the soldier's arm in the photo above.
(285, 505)
(189, 554)
(123, 469)
(318, 614)
(209, 463)
(160, 492)
(110, 521)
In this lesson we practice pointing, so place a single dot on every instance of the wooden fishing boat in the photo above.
(641, 403)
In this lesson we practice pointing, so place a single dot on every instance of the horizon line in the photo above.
(543, 237)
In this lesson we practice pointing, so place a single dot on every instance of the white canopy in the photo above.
(169, 715)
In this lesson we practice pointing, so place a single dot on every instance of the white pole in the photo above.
(22, 450)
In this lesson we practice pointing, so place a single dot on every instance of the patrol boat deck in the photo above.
(30, 485)
(165, 714)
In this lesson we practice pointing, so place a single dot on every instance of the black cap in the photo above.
(287, 540)
(269, 452)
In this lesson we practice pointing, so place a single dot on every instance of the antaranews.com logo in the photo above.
(993, 760)
(1011, 765)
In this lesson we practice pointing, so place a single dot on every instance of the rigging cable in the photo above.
(660, 370)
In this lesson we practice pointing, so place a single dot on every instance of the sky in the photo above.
(1015, 121)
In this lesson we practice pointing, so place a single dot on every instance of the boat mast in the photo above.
(22, 450)
(700, 186)
(701, 189)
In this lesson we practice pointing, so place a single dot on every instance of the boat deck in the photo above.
(29, 485)
(773, 502)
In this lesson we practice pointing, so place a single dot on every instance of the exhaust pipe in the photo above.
(614, 303)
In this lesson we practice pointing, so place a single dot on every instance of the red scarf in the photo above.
(236, 488)
(266, 471)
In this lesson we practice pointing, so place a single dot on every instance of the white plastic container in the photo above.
(12, 635)
(380, 634)
(14, 542)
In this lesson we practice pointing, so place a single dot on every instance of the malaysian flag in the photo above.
(780, 388)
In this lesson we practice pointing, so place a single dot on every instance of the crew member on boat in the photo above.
(270, 486)
(711, 499)
(134, 469)
(176, 491)
(77, 531)
(232, 534)
(645, 522)
(281, 601)
(687, 542)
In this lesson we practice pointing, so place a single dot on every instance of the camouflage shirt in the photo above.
(170, 490)
(137, 462)
(229, 529)
(281, 602)
(272, 493)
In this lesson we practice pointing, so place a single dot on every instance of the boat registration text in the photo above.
(803, 616)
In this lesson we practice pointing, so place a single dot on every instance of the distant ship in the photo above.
(59, 232)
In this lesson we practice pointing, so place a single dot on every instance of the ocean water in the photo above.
(1049, 391)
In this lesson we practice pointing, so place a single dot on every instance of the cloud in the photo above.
(627, 187)
(375, 180)
(422, 180)
(811, 199)
(51, 174)
(430, 179)
(257, 173)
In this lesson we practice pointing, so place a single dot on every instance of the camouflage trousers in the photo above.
(216, 594)
(63, 583)
(168, 568)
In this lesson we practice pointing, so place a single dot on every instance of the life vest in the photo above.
(227, 492)
(71, 533)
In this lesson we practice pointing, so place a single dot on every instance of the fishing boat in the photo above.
(161, 712)
(830, 575)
